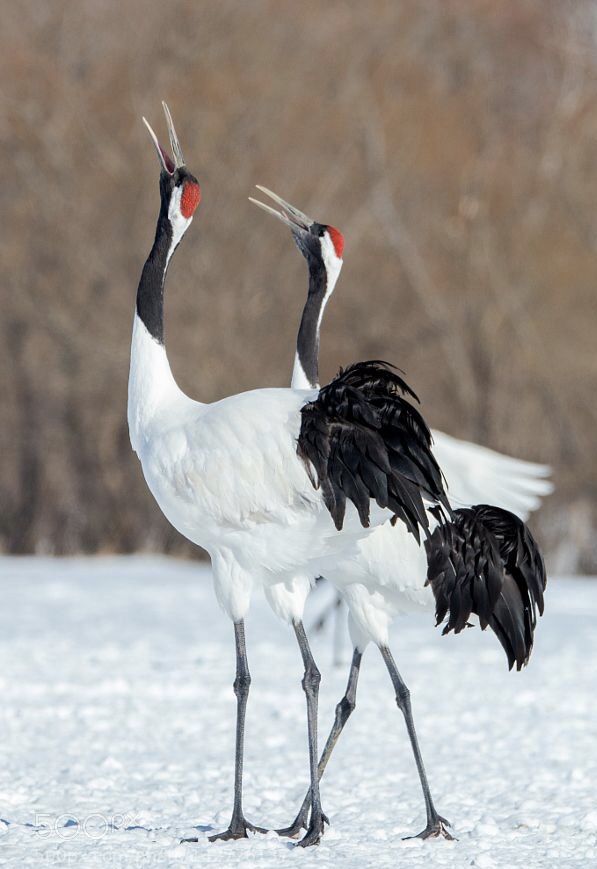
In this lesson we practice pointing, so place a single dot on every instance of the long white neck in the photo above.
(152, 387)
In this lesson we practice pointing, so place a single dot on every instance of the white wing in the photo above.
(478, 475)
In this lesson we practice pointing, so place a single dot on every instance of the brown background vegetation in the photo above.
(455, 145)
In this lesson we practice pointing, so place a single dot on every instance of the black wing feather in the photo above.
(365, 441)
(484, 560)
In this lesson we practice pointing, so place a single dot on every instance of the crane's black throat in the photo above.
(150, 293)
(307, 342)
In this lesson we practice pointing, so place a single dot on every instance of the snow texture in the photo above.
(117, 730)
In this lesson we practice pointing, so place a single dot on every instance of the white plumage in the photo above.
(228, 477)
(477, 474)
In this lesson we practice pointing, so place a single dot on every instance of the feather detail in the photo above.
(485, 561)
(365, 441)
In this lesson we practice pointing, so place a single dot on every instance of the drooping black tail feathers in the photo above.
(485, 561)
(361, 439)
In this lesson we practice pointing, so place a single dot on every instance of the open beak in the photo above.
(169, 164)
(288, 214)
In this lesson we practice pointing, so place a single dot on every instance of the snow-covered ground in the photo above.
(117, 730)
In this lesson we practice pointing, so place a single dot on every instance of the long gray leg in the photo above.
(311, 681)
(436, 825)
(238, 824)
(343, 711)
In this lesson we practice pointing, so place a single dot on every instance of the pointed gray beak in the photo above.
(166, 161)
(288, 214)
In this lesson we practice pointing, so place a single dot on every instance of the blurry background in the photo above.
(453, 143)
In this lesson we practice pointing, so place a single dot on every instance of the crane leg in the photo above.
(436, 825)
(239, 826)
(343, 711)
(311, 680)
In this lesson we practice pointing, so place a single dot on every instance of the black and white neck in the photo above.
(172, 225)
(152, 388)
(324, 269)
(322, 246)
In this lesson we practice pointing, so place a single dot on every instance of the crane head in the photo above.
(179, 190)
(316, 241)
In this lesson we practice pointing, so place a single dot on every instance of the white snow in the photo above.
(117, 730)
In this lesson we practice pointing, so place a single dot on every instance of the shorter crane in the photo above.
(481, 560)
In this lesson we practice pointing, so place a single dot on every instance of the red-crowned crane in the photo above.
(265, 480)
(483, 560)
